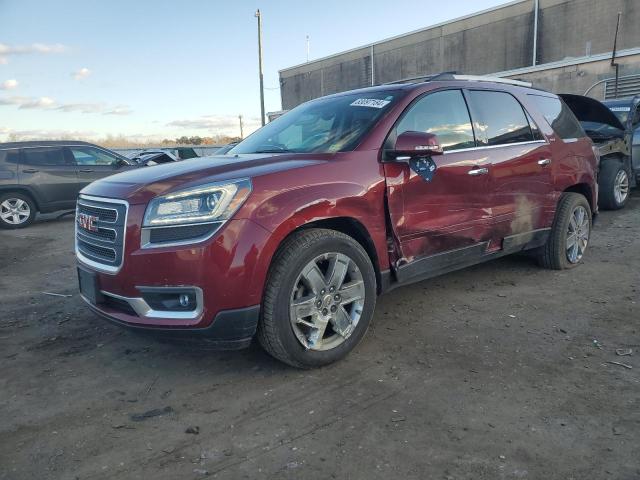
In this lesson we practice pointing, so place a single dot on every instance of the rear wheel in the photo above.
(570, 233)
(614, 185)
(319, 299)
(17, 210)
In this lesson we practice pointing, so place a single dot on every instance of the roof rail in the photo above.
(424, 78)
(454, 76)
(483, 78)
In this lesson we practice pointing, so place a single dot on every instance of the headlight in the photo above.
(214, 202)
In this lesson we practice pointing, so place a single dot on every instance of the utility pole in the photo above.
(615, 64)
(307, 48)
(241, 127)
(536, 6)
(259, 17)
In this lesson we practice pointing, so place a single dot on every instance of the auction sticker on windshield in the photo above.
(370, 102)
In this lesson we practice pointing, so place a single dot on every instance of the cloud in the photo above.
(40, 102)
(119, 110)
(45, 134)
(9, 84)
(81, 107)
(81, 74)
(218, 124)
(28, 102)
(47, 103)
(38, 48)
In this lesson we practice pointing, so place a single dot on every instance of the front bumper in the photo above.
(226, 274)
(230, 330)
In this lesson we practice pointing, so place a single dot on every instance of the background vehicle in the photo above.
(225, 148)
(337, 201)
(612, 127)
(152, 157)
(46, 176)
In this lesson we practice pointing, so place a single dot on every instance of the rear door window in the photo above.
(44, 156)
(559, 116)
(444, 114)
(499, 119)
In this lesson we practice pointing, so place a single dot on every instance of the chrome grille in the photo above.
(101, 242)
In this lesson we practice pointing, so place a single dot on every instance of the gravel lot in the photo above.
(498, 371)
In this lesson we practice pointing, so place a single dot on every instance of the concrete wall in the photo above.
(579, 77)
(495, 40)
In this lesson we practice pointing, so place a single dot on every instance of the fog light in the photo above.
(168, 299)
(184, 300)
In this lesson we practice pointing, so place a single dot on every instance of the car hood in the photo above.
(587, 109)
(141, 184)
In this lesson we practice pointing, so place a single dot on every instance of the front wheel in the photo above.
(318, 300)
(570, 233)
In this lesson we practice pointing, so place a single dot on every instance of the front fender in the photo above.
(284, 212)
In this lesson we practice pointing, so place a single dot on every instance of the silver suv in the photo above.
(46, 176)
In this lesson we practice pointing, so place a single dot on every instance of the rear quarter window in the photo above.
(559, 116)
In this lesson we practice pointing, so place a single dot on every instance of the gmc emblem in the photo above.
(87, 222)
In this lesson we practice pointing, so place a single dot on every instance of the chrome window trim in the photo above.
(143, 309)
(101, 267)
(145, 236)
(502, 145)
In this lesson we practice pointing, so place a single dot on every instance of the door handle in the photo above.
(29, 170)
(543, 162)
(86, 170)
(479, 171)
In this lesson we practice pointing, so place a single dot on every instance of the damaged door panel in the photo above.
(438, 201)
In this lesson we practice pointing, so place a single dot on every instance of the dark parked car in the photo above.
(292, 235)
(46, 176)
(613, 127)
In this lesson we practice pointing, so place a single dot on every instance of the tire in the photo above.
(613, 183)
(17, 210)
(556, 254)
(284, 329)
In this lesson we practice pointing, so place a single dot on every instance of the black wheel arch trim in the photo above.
(24, 189)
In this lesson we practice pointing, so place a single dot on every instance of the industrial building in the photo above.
(559, 45)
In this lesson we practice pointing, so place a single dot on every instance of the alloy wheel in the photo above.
(14, 211)
(327, 301)
(621, 187)
(578, 234)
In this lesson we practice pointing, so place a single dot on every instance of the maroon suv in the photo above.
(292, 235)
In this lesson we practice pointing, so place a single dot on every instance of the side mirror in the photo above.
(416, 144)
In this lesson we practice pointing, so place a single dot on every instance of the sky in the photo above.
(154, 69)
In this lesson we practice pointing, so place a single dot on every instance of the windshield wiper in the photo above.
(273, 150)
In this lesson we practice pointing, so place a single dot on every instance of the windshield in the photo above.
(601, 131)
(327, 125)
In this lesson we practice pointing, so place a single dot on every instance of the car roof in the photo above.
(44, 143)
(459, 81)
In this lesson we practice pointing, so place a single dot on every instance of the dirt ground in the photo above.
(500, 371)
